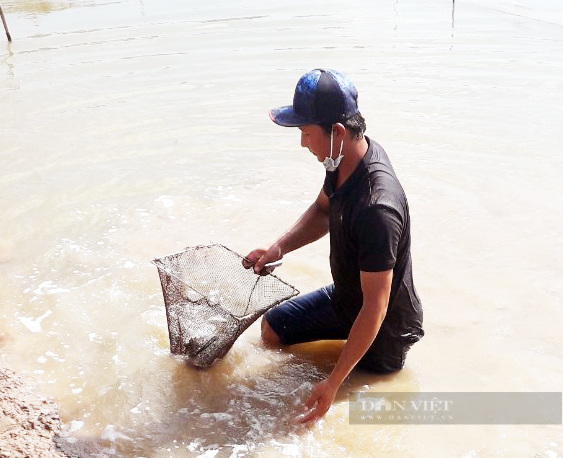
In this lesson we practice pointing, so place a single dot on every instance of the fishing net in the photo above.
(210, 299)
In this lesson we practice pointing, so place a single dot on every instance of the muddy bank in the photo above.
(29, 423)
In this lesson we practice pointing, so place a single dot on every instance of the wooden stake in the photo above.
(5, 25)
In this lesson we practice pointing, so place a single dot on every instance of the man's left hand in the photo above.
(319, 401)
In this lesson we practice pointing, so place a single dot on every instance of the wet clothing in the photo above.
(369, 227)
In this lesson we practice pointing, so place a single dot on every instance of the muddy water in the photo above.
(131, 129)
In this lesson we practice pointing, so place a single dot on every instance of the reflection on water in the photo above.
(40, 7)
(453, 17)
(244, 403)
(9, 61)
(36, 7)
(208, 408)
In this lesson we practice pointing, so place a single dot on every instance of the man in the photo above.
(372, 303)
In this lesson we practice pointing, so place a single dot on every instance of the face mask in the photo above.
(329, 163)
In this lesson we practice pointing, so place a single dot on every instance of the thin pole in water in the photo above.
(5, 25)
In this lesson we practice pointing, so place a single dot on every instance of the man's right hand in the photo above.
(259, 257)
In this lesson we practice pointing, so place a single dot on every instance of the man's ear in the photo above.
(338, 130)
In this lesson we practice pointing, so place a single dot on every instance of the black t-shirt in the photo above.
(369, 227)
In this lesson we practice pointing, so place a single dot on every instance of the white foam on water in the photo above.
(34, 324)
(109, 433)
(75, 425)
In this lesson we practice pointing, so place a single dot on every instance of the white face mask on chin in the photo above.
(329, 163)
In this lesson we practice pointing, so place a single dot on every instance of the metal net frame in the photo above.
(211, 299)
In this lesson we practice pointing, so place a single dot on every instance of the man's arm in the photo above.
(311, 226)
(376, 289)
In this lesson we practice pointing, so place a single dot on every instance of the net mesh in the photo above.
(210, 299)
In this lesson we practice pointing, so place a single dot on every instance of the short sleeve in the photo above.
(378, 230)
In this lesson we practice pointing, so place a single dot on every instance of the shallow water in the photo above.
(133, 129)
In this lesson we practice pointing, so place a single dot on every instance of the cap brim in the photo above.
(286, 116)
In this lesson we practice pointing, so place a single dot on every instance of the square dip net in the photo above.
(211, 299)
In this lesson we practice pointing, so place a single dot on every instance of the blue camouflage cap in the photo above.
(321, 96)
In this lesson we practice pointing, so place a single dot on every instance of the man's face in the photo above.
(315, 138)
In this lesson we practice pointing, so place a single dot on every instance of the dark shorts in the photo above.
(312, 317)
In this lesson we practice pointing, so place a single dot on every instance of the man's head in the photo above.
(325, 108)
(322, 97)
